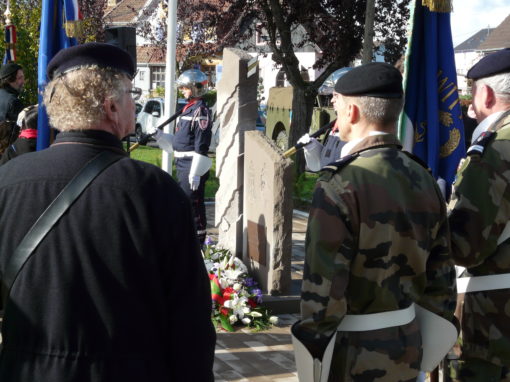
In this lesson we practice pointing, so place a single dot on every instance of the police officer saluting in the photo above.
(377, 248)
(191, 144)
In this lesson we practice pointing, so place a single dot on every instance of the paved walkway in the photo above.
(268, 355)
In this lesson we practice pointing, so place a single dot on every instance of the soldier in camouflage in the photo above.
(479, 219)
(377, 239)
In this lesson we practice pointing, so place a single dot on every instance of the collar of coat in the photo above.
(376, 141)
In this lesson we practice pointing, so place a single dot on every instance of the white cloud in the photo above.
(469, 17)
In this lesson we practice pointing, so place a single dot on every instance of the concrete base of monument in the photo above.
(285, 304)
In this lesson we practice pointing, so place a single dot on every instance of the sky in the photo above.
(469, 16)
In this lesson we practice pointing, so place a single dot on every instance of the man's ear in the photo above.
(353, 113)
(111, 109)
(490, 97)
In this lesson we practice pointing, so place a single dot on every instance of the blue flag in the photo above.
(53, 38)
(432, 121)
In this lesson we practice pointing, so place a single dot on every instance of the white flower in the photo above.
(273, 320)
(255, 314)
(229, 304)
(237, 286)
(223, 283)
(233, 319)
(246, 320)
(232, 274)
(246, 310)
(231, 260)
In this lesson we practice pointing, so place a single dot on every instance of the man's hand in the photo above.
(194, 182)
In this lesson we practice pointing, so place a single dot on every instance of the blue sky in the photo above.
(469, 16)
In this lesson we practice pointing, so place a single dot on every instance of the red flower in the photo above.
(224, 311)
(252, 303)
(228, 292)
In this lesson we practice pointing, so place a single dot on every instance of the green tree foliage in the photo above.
(26, 16)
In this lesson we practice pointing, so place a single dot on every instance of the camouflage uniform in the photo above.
(480, 209)
(377, 241)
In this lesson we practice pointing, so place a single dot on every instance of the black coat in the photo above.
(20, 146)
(118, 290)
(10, 105)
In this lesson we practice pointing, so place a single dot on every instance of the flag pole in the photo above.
(170, 91)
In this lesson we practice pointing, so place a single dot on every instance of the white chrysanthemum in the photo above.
(273, 320)
(246, 320)
(233, 319)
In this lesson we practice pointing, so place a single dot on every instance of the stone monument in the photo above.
(237, 110)
(267, 218)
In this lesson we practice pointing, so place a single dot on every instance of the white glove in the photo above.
(158, 134)
(194, 182)
(312, 153)
(305, 139)
(164, 141)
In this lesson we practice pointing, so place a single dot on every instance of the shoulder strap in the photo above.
(418, 160)
(340, 163)
(52, 214)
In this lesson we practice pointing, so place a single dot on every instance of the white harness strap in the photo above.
(375, 321)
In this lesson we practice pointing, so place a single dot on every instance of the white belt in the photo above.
(183, 154)
(489, 282)
(375, 321)
(186, 118)
(480, 283)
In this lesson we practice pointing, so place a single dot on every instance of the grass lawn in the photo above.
(303, 187)
(154, 156)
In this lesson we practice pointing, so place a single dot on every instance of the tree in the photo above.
(335, 27)
(26, 16)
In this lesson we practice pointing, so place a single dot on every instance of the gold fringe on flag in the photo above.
(74, 28)
(444, 6)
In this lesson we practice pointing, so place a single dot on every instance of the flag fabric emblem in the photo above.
(431, 126)
(59, 25)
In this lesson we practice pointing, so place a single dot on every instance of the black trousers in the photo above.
(183, 167)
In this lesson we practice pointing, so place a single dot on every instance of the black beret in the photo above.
(8, 69)
(93, 53)
(495, 63)
(375, 79)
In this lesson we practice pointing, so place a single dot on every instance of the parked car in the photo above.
(151, 116)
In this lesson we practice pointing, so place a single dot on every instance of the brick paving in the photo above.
(259, 357)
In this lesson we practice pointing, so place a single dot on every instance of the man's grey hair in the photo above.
(380, 111)
(74, 101)
(500, 83)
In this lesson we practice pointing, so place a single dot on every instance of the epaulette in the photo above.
(478, 146)
(340, 163)
(418, 160)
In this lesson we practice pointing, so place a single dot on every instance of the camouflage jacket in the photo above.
(377, 240)
(479, 211)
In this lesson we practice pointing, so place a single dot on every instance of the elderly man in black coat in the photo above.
(117, 290)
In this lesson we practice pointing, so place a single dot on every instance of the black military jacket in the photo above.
(193, 131)
(118, 290)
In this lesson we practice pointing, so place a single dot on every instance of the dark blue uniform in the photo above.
(193, 134)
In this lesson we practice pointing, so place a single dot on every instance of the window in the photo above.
(158, 77)
(141, 75)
